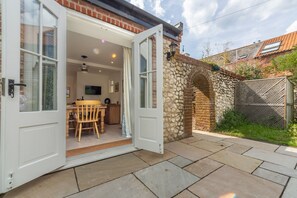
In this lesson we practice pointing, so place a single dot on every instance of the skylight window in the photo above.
(242, 56)
(271, 47)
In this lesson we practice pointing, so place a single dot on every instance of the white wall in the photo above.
(71, 83)
(99, 79)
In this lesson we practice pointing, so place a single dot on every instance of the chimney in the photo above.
(180, 26)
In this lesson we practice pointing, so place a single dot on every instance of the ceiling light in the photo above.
(84, 67)
(113, 55)
(102, 41)
(99, 70)
(96, 51)
(111, 62)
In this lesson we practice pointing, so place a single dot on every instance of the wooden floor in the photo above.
(89, 149)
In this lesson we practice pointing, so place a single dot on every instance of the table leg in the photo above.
(102, 120)
(67, 123)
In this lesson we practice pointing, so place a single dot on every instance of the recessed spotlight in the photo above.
(113, 55)
(99, 70)
(96, 51)
(111, 62)
(102, 41)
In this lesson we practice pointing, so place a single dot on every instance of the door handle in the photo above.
(11, 85)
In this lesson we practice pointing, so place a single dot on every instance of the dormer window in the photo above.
(271, 47)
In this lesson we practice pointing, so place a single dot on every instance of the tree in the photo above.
(287, 62)
(249, 70)
(206, 50)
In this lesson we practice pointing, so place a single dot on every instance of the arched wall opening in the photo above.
(199, 103)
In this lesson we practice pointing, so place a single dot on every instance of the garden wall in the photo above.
(182, 75)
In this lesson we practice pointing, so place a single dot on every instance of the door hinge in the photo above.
(10, 181)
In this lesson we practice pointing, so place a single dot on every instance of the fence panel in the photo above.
(264, 101)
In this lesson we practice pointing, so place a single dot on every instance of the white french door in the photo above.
(33, 103)
(148, 87)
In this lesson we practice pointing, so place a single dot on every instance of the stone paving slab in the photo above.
(210, 146)
(228, 180)
(280, 169)
(187, 151)
(218, 135)
(166, 179)
(272, 157)
(153, 158)
(207, 137)
(186, 194)
(102, 171)
(124, 187)
(203, 167)
(55, 185)
(271, 176)
(190, 140)
(238, 148)
(287, 150)
(180, 161)
(291, 189)
(236, 160)
(252, 143)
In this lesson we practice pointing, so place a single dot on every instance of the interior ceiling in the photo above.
(97, 50)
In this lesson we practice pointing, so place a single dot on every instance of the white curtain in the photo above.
(126, 121)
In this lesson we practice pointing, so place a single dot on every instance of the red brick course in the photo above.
(101, 14)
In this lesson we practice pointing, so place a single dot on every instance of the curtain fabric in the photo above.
(126, 120)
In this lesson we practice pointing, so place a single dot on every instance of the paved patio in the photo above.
(205, 165)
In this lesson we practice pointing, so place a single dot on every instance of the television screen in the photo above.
(92, 90)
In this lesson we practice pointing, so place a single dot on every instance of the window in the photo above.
(111, 86)
(271, 47)
(242, 56)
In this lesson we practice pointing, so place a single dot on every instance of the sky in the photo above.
(224, 24)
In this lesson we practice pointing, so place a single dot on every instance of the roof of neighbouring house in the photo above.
(137, 15)
(278, 44)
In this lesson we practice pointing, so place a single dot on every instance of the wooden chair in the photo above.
(87, 111)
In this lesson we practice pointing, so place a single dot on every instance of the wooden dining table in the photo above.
(71, 109)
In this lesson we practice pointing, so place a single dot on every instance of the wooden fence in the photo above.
(266, 101)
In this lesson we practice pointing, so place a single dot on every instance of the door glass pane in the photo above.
(143, 56)
(152, 87)
(29, 74)
(152, 53)
(30, 21)
(49, 85)
(49, 34)
(143, 90)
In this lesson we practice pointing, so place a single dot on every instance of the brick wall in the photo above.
(101, 14)
(202, 114)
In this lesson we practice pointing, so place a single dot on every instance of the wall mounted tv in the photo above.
(92, 90)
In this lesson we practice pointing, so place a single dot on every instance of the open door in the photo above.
(148, 88)
(33, 98)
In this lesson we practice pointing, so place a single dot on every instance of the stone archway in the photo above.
(199, 101)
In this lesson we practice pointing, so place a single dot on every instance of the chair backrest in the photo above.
(87, 110)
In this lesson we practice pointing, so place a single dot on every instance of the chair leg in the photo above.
(79, 133)
(96, 127)
(76, 129)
